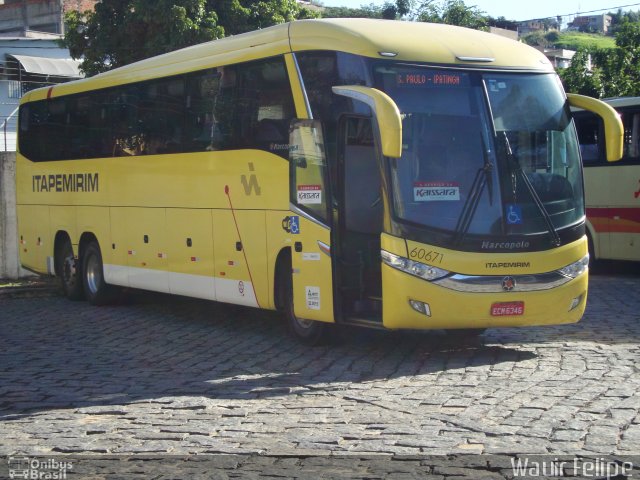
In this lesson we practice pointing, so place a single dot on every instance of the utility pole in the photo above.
(25, 17)
(61, 24)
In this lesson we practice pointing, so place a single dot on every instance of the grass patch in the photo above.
(575, 40)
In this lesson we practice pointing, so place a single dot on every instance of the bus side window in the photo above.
(58, 117)
(89, 127)
(591, 137)
(202, 131)
(631, 123)
(161, 116)
(247, 105)
(127, 138)
(263, 107)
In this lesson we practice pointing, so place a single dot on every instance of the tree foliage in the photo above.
(240, 16)
(388, 11)
(119, 32)
(607, 72)
(452, 12)
(580, 77)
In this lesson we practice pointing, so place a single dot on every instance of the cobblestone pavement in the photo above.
(167, 375)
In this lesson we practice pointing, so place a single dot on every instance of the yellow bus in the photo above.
(612, 191)
(387, 174)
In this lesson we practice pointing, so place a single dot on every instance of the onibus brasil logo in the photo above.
(38, 468)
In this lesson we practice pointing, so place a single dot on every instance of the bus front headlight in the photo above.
(576, 268)
(417, 269)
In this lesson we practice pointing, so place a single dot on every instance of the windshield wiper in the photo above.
(482, 179)
(514, 165)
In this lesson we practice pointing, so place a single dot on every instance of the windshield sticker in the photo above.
(309, 194)
(496, 86)
(514, 214)
(436, 191)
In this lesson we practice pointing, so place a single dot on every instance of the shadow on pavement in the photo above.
(60, 354)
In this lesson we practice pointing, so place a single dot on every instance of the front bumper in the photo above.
(451, 309)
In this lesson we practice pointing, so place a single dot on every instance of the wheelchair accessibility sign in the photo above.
(514, 214)
(291, 224)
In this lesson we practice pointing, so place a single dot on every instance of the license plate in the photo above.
(506, 309)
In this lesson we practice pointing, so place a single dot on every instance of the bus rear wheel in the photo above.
(68, 268)
(97, 291)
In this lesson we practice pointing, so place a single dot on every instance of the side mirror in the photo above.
(613, 129)
(386, 113)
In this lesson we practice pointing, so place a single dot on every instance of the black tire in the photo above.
(69, 271)
(309, 332)
(96, 290)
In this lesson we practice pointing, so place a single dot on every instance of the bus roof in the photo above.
(437, 44)
(622, 101)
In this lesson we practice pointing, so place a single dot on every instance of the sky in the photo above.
(522, 10)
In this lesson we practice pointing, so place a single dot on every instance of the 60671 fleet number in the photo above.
(426, 255)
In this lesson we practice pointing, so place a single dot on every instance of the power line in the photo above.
(580, 13)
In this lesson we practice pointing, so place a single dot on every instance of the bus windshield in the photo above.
(489, 154)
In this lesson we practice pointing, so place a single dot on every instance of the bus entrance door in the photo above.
(308, 222)
(361, 217)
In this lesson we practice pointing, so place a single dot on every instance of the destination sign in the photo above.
(431, 79)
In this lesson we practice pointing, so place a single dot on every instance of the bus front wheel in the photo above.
(97, 291)
(309, 332)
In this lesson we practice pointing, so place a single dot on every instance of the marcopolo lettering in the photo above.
(486, 245)
(70, 182)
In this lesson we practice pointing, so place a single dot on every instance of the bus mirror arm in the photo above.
(613, 129)
(386, 113)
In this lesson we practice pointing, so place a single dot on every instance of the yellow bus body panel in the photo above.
(312, 280)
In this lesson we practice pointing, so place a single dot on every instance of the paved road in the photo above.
(172, 375)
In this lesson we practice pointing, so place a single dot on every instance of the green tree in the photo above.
(581, 77)
(622, 66)
(452, 12)
(240, 16)
(502, 22)
(388, 10)
(614, 72)
(120, 32)
(364, 11)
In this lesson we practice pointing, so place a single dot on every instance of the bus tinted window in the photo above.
(590, 131)
(591, 136)
(631, 123)
(248, 105)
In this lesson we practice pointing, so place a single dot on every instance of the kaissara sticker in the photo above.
(313, 297)
(309, 194)
(436, 191)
